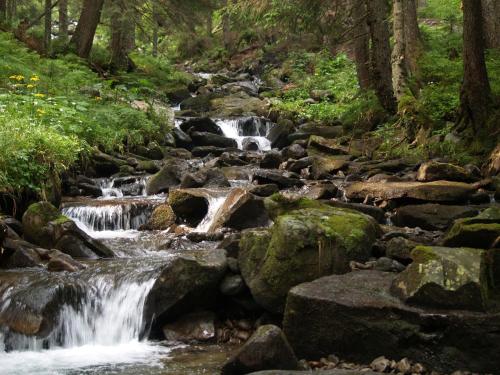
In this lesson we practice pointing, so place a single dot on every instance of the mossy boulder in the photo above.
(319, 145)
(481, 231)
(434, 171)
(162, 218)
(39, 221)
(302, 245)
(44, 226)
(443, 277)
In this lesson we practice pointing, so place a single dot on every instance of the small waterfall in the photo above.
(126, 216)
(246, 130)
(214, 205)
(122, 186)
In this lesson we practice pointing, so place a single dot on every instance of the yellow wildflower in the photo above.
(98, 98)
(17, 77)
(35, 78)
(30, 86)
(40, 111)
(38, 95)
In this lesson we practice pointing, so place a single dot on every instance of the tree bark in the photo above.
(47, 37)
(399, 63)
(491, 23)
(63, 19)
(413, 39)
(475, 95)
(83, 37)
(3, 10)
(122, 36)
(361, 43)
(377, 13)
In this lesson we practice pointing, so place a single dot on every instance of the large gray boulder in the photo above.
(356, 317)
(168, 177)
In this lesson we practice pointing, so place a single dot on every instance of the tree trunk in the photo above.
(413, 41)
(83, 37)
(47, 37)
(11, 9)
(361, 43)
(63, 19)
(226, 32)
(491, 23)
(377, 12)
(399, 63)
(3, 10)
(122, 36)
(210, 24)
(475, 96)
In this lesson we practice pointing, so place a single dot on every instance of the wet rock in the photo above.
(480, 231)
(305, 242)
(202, 236)
(267, 349)
(206, 177)
(45, 226)
(294, 151)
(190, 281)
(324, 166)
(19, 254)
(232, 285)
(168, 177)
(271, 160)
(189, 205)
(431, 216)
(306, 130)
(209, 139)
(168, 140)
(241, 210)
(437, 191)
(250, 144)
(89, 190)
(246, 86)
(231, 244)
(236, 105)
(177, 94)
(298, 165)
(264, 190)
(60, 262)
(202, 151)
(278, 135)
(400, 248)
(282, 179)
(199, 104)
(106, 165)
(435, 171)
(388, 265)
(199, 326)
(182, 139)
(162, 218)
(370, 322)
(201, 124)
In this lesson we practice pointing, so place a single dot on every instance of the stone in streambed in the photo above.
(271, 160)
(282, 179)
(441, 277)
(481, 231)
(308, 240)
(356, 317)
(431, 216)
(198, 326)
(435, 171)
(189, 205)
(232, 285)
(437, 191)
(188, 282)
(203, 124)
(162, 218)
(267, 349)
(206, 177)
(209, 139)
(168, 177)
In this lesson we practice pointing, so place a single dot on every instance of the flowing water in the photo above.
(247, 130)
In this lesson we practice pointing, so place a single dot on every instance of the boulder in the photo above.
(375, 212)
(202, 151)
(188, 282)
(177, 94)
(294, 151)
(283, 179)
(190, 205)
(435, 171)
(431, 216)
(232, 285)
(199, 104)
(325, 146)
(246, 86)
(237, 105)
(356, 317)
(106, 165)
(19, 254)
(278, 135)
(323, 166)
(442, 277)
(481, 231)
(201, 124)
(267, 349)
(44, 225)
(271, 160)
(400, 248)
(307, 241)
(168, 177)
(241, 210)
(264, 190)
(182, 139)
(250, 144)
(162, 218)
(60, 262)
(297, 166)
(210, 139)
(437, 191)
(198, 326)
(206, 177)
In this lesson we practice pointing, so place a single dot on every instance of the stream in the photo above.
(101, 329)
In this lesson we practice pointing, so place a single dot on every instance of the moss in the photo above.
(61, 219)
(278, 204)
(46, 211)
